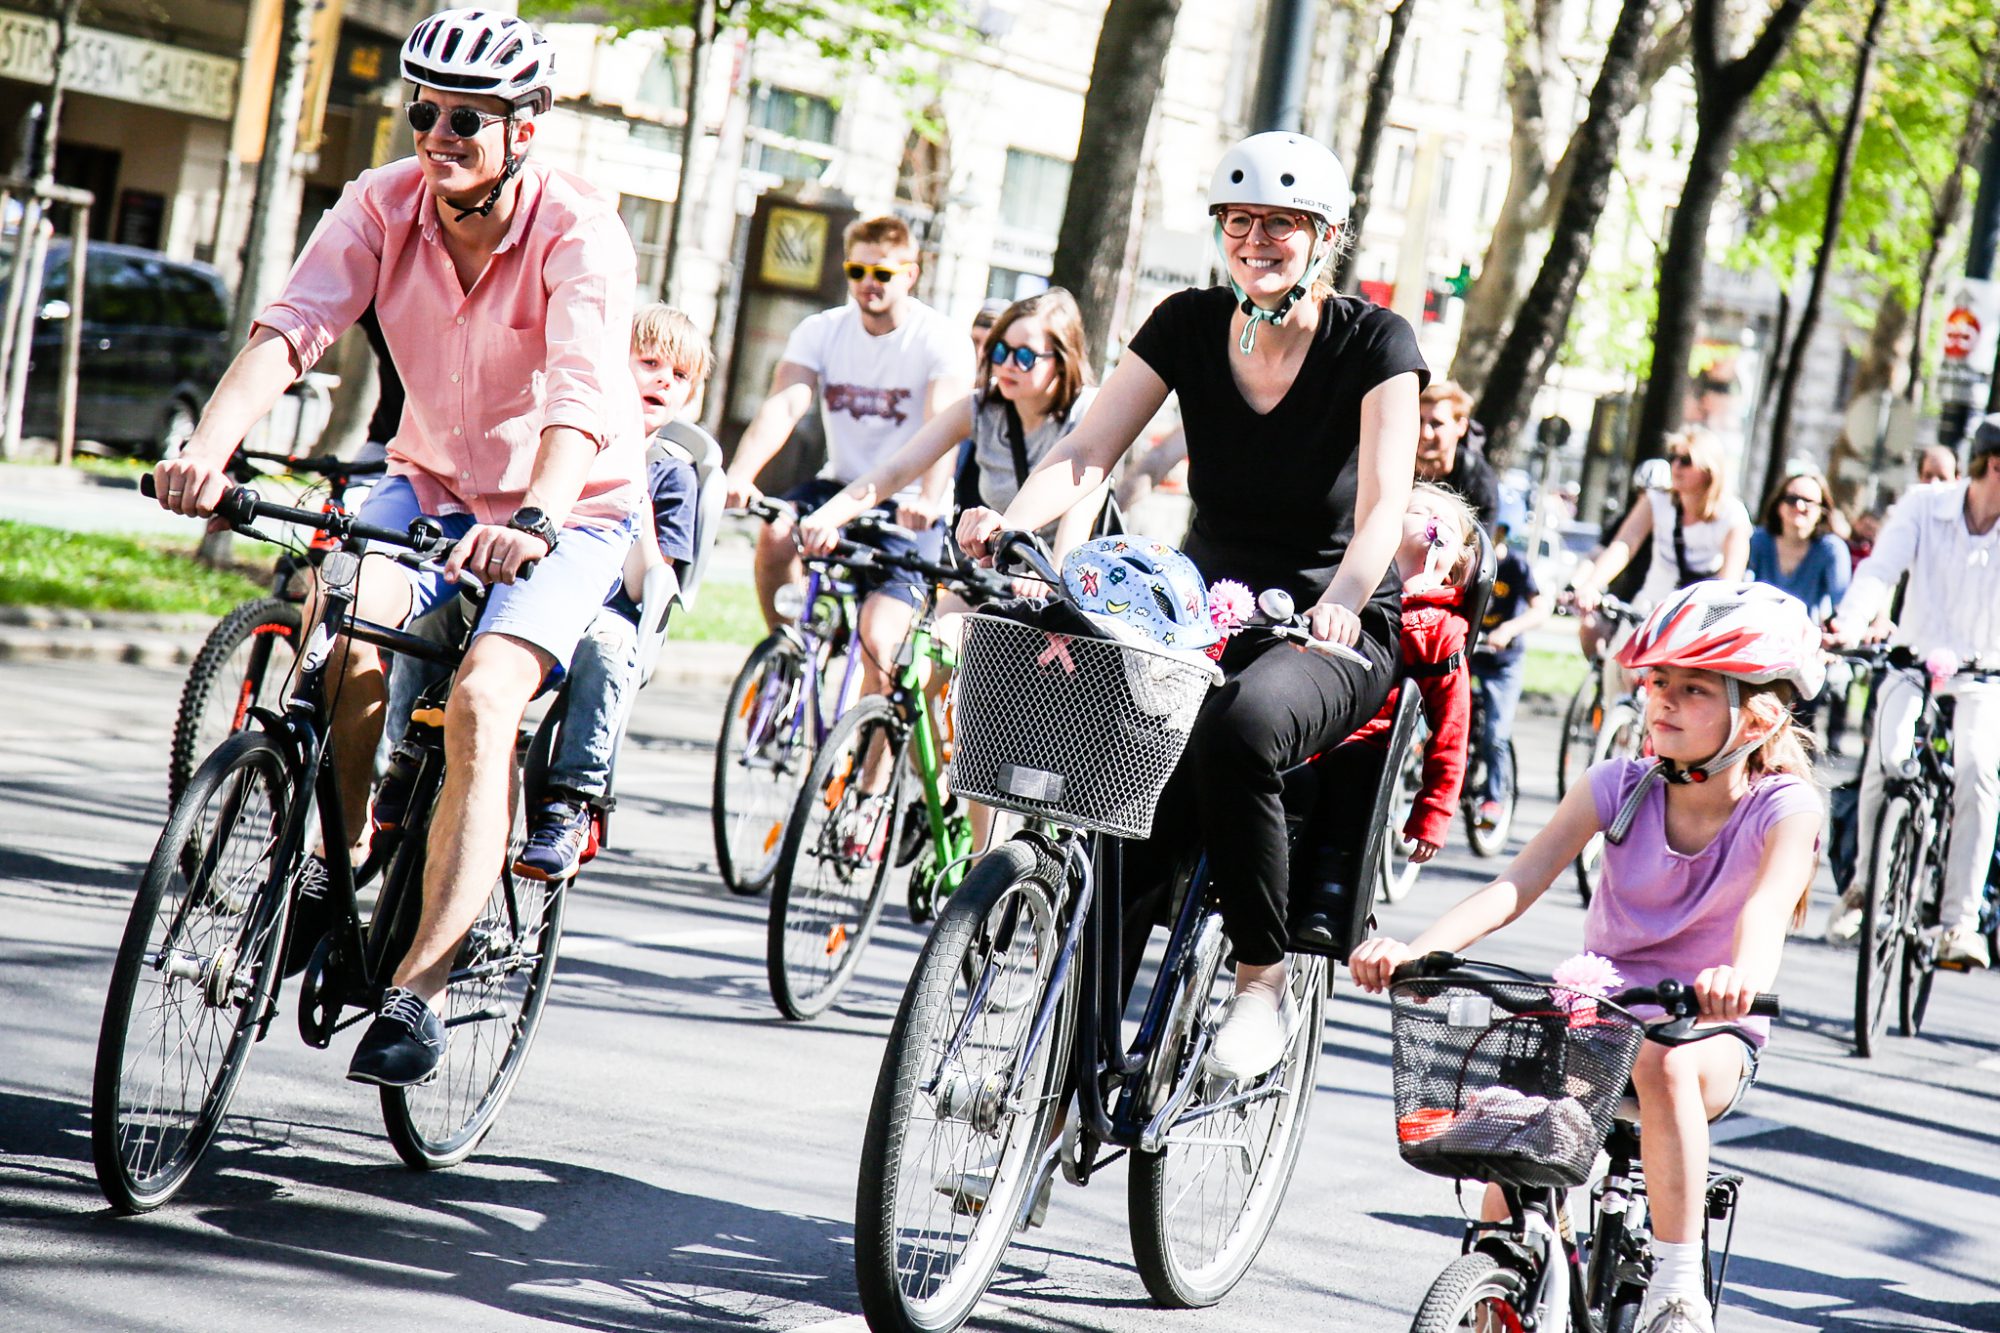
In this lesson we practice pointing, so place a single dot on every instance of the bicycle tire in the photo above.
(1897, 859)
(216, 678)
(208, 907)
(492, 1009)
(1489, 842)
(1468, 1284)
(1622, 735)
(1003, 917)
(1184, 1273)
(826, 899)
(1579, 734)
(1399, 874)
(1919, 967)
(748, 822)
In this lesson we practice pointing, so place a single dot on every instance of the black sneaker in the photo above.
(1320, 917)
(404, 1044)
(312, 915)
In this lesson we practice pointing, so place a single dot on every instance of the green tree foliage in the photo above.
(1928, 71)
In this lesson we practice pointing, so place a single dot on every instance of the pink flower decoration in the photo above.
(1230, 606)
(1942, 664)
(1586, 974)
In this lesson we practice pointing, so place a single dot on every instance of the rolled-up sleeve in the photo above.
(591, 275)
(333, 280)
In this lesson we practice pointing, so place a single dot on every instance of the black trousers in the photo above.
(1280, 706)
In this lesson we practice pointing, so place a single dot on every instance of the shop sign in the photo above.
(126, 69)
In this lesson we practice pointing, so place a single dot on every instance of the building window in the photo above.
(1486, 201)
(1441, 199)
(1010, 284)
(1413, 63)
(646, 219)
(1464, 78)
(1034, 192)
(657, 96)
(1399, 182)
(790, 133)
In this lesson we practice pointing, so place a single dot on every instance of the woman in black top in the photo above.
(1300, 408)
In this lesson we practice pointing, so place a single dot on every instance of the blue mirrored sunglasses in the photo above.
(1024, 357)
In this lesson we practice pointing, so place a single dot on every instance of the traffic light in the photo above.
(1461, 282)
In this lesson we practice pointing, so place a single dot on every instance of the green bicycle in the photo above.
(855, 817)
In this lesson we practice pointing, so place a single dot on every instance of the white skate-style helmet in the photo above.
(482, 51)
(1278, 169)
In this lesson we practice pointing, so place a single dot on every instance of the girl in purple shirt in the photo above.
(1710, 848)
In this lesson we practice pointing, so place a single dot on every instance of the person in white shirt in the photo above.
(881, 366)
(1946, 537)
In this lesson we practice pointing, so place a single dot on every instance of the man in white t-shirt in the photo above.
(880, 366)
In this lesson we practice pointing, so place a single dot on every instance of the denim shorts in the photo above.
(549, 610)
(901, 584)
(1628, 1106)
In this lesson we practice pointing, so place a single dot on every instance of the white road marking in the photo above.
(687, 939)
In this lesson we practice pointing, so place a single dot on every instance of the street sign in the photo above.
(1971, 333)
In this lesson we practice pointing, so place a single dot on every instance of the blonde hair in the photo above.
(1446, 391)
(1705, 452)
(662, 331)
(1449, 501)
(1787, 749)
(888, 231)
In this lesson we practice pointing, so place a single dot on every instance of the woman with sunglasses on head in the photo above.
(1300, 408)
(1700, 530)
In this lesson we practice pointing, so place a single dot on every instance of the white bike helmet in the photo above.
(1144, 584)
(1748, 633)
(1278, 169)
(486, 52)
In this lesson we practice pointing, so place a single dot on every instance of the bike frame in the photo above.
(808, 710)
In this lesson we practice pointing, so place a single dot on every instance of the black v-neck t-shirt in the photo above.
(1274, 492)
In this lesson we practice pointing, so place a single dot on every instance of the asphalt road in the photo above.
(676, 1156)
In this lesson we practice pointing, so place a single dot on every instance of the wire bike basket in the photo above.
(1505, 1081)
(1077, 730)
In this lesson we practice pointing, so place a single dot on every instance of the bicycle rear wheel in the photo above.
(761, 759)
(1476, 1293)
(1398, 872)
(492, 1008)
(244, 663)
(1493, 841)
(1579, 734)
(1622, 735)
(1202, 1206)
(194, 975)
(833, 871)
(1897, 864)
(1919, 968)
(949, 1159)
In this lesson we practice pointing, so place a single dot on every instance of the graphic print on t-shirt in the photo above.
(872, 387)
(858, 401)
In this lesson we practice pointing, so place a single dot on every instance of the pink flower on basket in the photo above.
(1942, 664)
(1230, 606)
(1581, 982)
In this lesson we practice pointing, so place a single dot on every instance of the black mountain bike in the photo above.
(198, 972)
(1503, 1077)
(1016, 1003)
(251, 653)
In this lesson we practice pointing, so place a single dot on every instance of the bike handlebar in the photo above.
(326, 465)
(1676, 997)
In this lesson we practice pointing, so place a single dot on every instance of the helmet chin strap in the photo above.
(1666, 770)
(510, 163)
(1258, 314)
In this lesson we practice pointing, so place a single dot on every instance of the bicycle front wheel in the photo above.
(761, 759)
(1476, 1293)
(1623, 736)
(833, 872)
(243, 664)
(1895, 867)
(950, 1157)
(492, 1007)
(1579, 734)
(194, 975)
(1919, 968)
(1202, 1206)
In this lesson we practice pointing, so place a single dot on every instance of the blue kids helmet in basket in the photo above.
(1144, 584)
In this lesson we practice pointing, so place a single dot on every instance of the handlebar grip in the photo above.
(147, 488)
(1767, 1006)
(1434, 963)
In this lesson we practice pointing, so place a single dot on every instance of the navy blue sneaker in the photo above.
(404, 1044)
(558, 831)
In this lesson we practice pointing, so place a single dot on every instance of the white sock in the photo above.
(1676, 1272)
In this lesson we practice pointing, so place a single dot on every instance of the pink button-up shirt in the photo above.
(542, 339)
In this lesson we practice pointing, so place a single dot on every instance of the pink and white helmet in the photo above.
(1750, 632)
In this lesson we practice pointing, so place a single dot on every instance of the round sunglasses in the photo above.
(1024, 357)
(464, 122)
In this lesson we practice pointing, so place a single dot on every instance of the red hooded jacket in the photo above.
(1434, 629)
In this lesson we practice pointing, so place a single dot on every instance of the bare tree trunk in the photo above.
(1381, 89)
(1543, 320)
(699, 43)
(1723, 88)
(1829, 241)
(1882, 368)
(1125, 79)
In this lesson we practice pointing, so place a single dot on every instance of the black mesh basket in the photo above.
(1081, 731)
(1514, 1082)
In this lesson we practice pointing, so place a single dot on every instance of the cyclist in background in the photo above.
(881, 365)
(504, 291)
(1447, 453)
(1518, 605)
(1300, 407)
(1710, 853)
(1946, 538)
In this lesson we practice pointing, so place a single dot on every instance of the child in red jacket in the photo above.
(1440, 544)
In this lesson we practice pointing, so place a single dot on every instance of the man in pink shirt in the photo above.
(505, 293)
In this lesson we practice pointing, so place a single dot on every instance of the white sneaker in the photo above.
(1251, 1039)
(1964, 947)
(1679, 1314)
(1845, 923)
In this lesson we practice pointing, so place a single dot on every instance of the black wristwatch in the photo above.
(536, 524)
